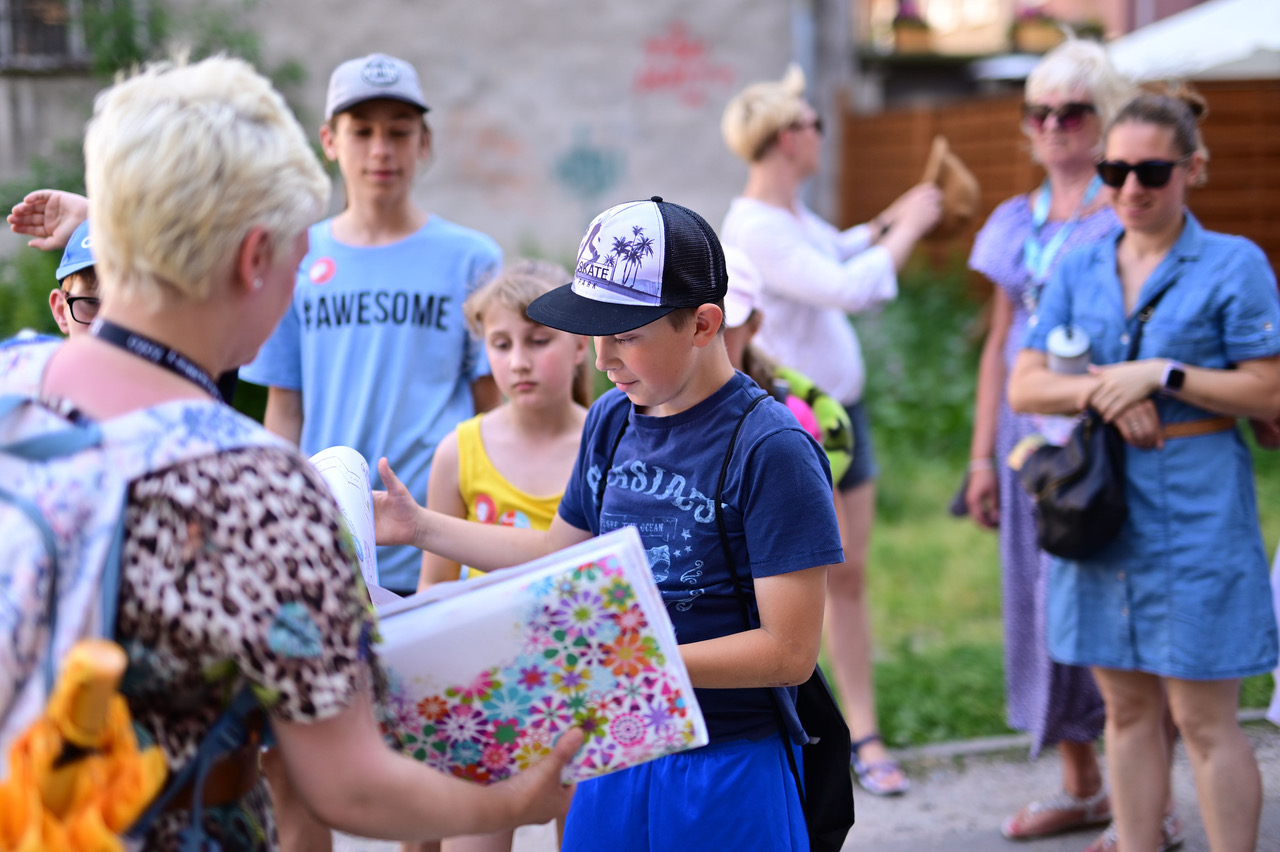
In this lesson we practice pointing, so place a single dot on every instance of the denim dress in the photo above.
(1183, 591)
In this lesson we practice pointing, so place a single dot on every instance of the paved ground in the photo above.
(962, 793)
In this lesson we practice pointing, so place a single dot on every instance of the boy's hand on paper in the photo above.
(50, 216)
(537, 794)
(397, 517)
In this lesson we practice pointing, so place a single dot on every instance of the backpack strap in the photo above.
(39, 448)
(228, 733)
(743, 608)
(608, 463)
(788, 737)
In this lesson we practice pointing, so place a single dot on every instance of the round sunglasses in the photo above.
(1152, 174)
(1070, 116)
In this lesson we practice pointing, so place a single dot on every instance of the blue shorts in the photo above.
(863, 467)
(736, 795)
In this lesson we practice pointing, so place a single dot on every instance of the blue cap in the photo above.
(79, 253)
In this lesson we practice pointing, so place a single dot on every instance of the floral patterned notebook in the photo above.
(487, 673)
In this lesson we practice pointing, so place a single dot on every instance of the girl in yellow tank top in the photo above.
(509, 466)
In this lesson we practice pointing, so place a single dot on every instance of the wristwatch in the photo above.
(1174, 375)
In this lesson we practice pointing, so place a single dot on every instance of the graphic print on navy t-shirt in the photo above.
(667, 543)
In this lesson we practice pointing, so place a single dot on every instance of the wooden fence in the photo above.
(885, 153)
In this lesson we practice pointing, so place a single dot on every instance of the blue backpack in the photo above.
(63, 488)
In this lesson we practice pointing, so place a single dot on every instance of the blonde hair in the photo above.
(1081, 65)
(514, 288)
(181, 161)
(755, 116)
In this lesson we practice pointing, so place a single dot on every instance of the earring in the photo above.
(257, 283)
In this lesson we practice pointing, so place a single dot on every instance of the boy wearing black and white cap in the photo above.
(649, 286)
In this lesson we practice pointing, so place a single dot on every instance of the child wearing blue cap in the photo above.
(74, 302)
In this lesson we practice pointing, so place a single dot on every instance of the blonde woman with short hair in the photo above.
(236, 568)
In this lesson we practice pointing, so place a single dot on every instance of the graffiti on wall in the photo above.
(485, 154)
(588, 170)
(678, 63)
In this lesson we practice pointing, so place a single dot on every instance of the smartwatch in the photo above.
(1174, 376)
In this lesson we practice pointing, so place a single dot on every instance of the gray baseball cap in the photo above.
(369, 78)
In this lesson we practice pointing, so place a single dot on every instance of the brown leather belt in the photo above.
(1192, 428)
(229, 779)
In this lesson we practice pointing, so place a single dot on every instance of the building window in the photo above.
(41, 35)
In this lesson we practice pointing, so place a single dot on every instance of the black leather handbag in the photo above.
(1079, 488)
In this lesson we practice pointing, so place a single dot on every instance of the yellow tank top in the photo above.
(488, 496)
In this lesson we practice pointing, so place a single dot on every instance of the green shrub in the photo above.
(25, 282)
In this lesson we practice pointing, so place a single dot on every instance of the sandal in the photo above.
(878, 778)
(1061, 813)
(1170, 836)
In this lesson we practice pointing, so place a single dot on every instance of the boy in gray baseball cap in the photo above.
(370, 78)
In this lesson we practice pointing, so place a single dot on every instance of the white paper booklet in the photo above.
(347, 474)
(487, 673)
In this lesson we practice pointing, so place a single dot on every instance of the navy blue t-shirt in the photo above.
(778, 513)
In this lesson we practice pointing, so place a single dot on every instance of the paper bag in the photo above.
(486, 674)
(961, 193)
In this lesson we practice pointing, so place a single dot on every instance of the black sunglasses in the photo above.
(1070, 116)
(1152, 174)
(83, 308)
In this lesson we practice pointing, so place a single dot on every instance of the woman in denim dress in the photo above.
(1177, 609)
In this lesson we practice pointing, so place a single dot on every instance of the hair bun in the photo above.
(1181, 90)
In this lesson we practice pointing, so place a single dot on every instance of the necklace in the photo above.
(155, 352)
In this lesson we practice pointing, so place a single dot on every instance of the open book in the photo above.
(487, 673)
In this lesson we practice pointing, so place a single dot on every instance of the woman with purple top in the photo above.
(1070, 96)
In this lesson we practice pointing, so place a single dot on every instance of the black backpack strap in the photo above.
(743, 606)
(231, 731)
(608, 463)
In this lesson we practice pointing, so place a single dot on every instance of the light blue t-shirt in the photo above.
(376, 342)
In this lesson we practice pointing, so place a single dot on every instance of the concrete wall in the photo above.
(38, 113)
(544, 111)
(547, 111)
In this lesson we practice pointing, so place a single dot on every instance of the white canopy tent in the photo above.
(1217, 40)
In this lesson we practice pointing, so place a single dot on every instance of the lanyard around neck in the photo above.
(155, 352)
(1038, 258)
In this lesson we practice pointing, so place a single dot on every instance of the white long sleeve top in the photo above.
(813, 276)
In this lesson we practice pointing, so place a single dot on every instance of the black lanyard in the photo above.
(155, 352)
